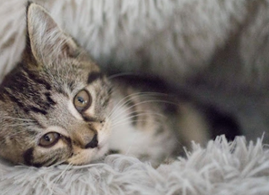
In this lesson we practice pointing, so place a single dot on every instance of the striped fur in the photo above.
(37, 98)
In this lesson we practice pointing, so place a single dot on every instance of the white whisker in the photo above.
(127, 119)
(20, 124)
(140, 103)
(130, 97)
(19, 119)
(119, 75)
(125, 100)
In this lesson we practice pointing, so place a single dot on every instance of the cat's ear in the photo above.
(47, 42)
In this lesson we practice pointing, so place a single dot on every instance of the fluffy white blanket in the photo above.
(220, 168)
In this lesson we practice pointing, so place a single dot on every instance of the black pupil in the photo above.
(81, 100)
(47, 138)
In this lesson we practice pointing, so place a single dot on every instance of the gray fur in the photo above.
(37, 98)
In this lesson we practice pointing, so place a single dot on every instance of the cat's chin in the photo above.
(87, 156)
(101, 152)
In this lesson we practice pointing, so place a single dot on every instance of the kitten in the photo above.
(57, 107)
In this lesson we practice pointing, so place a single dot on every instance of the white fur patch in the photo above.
(132, 141)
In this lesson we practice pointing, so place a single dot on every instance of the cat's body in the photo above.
(57, 107)
(151, 124)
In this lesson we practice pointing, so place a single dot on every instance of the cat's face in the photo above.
(55, 105)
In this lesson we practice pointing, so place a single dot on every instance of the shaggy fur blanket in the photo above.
(220, 168)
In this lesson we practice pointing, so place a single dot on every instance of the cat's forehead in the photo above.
(33, 90)
(69, 70)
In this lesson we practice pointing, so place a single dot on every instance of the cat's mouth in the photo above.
(101, 151)
(86, 156)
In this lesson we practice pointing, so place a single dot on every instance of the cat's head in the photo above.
(55, 105)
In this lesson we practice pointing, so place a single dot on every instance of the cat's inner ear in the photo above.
(47, 41)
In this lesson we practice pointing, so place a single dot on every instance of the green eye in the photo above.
(82, 101)
(49, 139)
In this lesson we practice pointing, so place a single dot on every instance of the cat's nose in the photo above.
(93, 143)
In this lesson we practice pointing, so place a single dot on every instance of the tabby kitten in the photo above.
(57, 107)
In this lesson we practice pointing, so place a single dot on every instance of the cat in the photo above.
(56, 107)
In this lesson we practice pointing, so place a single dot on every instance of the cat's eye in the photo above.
(82, 101)
(49, 139)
